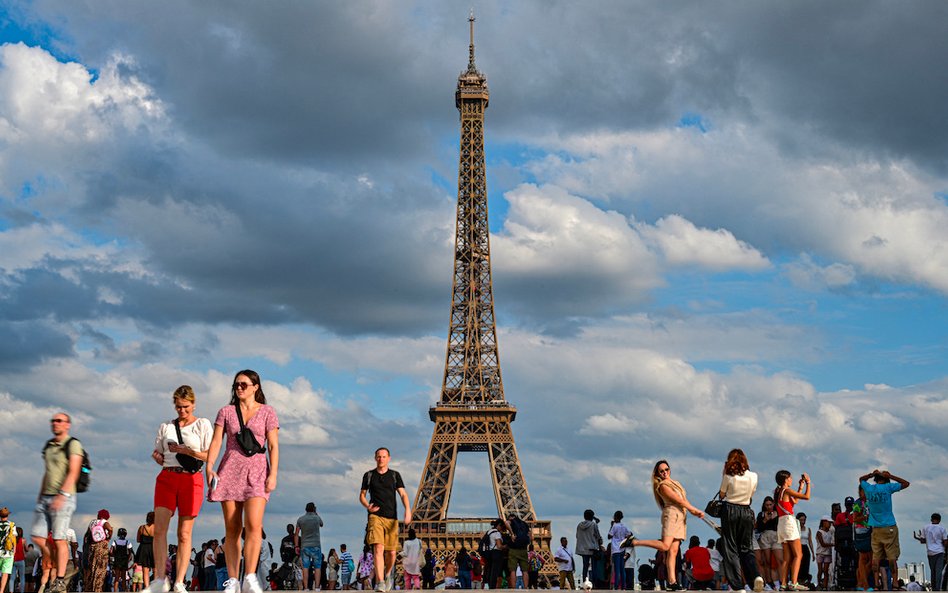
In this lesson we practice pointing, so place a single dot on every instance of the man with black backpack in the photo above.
(381, 487)
(517, 540)
(63, 457)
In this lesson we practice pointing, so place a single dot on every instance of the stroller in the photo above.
(286, 576)
(646, 576)
(847, 558)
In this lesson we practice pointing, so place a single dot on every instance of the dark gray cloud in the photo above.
(24, 344)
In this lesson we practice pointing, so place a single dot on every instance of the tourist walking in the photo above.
(738, 484)
(670, 496)
(382, 485)
(788, 530)
(588, 540)
(95, 547)
(181, 447)
(246, 476)
(62, 457)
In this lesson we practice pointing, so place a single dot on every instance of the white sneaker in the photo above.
(759, 584)
(231, 586)
(767, 587)
(158, 586)
(180, 588)
(390, 580)
(251, 584)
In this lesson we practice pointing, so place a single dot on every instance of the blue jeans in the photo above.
(464, 576)
(618, 571)
(19, 568)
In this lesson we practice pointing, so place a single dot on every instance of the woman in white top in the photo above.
(179, 484)
(738, 485)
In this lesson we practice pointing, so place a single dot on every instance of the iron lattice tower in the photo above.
(472, 413)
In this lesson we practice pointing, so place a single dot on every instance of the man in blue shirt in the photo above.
(885, 533)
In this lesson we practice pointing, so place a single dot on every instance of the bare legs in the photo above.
(185, 526)
(248, 517)
(384, 561)
(792, 556)
(668, 545)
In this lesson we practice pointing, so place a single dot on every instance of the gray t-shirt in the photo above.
(309, 525)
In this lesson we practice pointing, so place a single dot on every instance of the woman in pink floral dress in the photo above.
(244, 481)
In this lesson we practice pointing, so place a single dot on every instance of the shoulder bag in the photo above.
(245, 437)
(190, 464)
(715, 507)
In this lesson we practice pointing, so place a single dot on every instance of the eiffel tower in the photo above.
(472, 414)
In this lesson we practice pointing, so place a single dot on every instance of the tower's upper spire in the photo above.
(470, 63)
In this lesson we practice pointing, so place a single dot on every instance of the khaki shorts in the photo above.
(768, 540)
(885, 542)
(382, 530)
(517, 557)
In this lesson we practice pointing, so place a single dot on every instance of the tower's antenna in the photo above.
(470, 64)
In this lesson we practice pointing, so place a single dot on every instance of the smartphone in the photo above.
(214, 482)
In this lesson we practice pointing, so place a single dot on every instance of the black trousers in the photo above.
(737, 532)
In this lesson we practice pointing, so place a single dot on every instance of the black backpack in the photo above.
(120, 554)
(483, 546)
(85, 473)
(520, 538)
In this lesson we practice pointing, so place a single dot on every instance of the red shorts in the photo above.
(181, 491)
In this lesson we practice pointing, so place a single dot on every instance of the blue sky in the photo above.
(700, 233)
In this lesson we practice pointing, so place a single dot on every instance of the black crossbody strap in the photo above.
(177, 429)
(240, 417)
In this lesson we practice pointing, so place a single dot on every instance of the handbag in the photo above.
(190, 464)
(715, 507)
(245, 437)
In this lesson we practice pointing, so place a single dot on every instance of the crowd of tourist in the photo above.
(855, 547)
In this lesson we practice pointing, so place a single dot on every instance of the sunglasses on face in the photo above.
(242, 385)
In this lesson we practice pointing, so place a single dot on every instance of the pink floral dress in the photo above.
(241, 477)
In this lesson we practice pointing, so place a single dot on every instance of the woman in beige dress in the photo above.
(670, 497)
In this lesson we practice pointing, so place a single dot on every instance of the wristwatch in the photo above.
(66, 494)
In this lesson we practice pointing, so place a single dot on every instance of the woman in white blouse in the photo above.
(738, 485)
(181, 450)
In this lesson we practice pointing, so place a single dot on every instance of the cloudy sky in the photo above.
(713, 225)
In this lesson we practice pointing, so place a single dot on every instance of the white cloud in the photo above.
(549, 233)
(609, 424)
(807, 274)
(869, 217)
(682, 243)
